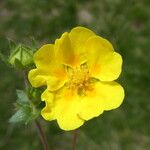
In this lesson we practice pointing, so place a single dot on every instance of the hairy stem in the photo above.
(74, 140)
(42, 135)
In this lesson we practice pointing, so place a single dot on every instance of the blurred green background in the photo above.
(126, 24)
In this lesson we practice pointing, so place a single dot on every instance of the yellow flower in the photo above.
(79, 71)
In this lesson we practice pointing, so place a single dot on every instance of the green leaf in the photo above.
(26, 110)
(22, 97)
(25, 114)
(21, 115)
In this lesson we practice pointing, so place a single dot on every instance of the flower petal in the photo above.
(47, 60)
(104, 96)
(103, 61)
(48, 70)
(45, 56)
(67, 105)
(47, 112)
(78, 37)
(111, 67)
(54, 83)
(64, 109)
(65, 53)
(91, 107)
(69, 47)
(112, 94)
(39, 78)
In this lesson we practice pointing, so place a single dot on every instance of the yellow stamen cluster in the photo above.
(78, 78)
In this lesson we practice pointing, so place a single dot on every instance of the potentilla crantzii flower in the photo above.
(79, 71)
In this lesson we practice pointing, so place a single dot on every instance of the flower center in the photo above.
(79, 79)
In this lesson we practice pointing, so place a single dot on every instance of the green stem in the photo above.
(42, 135)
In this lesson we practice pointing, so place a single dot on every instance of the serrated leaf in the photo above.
(22, 97)
(26, 110)
(21, 115)
(24, 115)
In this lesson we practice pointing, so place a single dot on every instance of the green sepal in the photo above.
(34, 94)
(18, 64)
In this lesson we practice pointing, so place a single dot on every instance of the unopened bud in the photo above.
(21, 57)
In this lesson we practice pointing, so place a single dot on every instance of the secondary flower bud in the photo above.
(21, 57)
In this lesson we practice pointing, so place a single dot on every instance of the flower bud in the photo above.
(21, 57)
